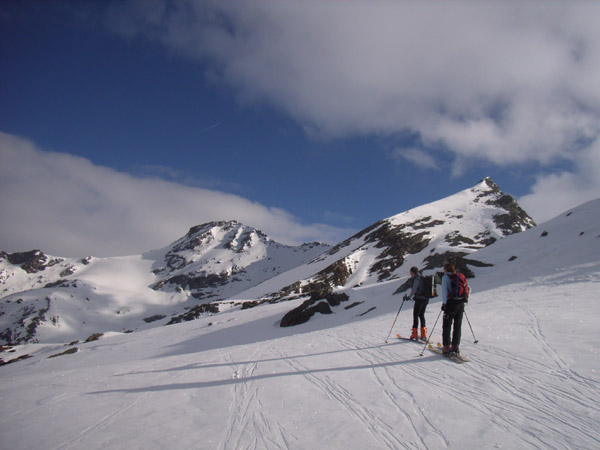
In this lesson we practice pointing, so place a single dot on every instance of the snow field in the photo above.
(243, 382)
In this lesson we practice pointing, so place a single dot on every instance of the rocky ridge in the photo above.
(424, 237)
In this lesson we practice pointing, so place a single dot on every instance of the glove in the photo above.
(444, 308)
(406, 297)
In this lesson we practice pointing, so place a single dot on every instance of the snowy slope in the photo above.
(237, 380)
(104, 294)
(568, 240)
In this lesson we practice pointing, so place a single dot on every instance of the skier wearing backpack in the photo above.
(455, 293)
(417, 293)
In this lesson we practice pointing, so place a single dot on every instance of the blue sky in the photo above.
(310, 120)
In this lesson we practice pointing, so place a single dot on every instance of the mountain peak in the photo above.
(206, 227)
(485, 200)
(512, 218)
(214, 259)
(490, 183)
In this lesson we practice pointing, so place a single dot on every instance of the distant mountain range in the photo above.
(222, 265)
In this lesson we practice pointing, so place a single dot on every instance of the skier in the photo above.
(453, 306)
(417, 293)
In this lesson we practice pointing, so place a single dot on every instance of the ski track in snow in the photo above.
(402, 399)
(529, 407)
(106, 421)
(249, 425)
(533, 406)
(377, 428)
(97, 427)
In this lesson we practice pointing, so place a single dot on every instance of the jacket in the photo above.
(417, 289)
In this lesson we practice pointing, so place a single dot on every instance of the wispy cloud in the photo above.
(417, 157)
(68, 206)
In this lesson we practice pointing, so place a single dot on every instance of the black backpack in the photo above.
(429, 289)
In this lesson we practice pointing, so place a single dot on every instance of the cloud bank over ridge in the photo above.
(67, 206)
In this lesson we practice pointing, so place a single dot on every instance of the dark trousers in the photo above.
(452, 316)
(419, 312)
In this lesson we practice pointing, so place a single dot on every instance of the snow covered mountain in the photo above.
(52, 299)
(239, 380)
(222, 265)
(455, 226)
(218, 259)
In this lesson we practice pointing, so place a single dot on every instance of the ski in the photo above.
(417, 340)
(459, 356)
(439, 352)
(456, 358)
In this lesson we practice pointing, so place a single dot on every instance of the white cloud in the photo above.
(67, 206)
(552, 194)
(496, 82)
(507, 81)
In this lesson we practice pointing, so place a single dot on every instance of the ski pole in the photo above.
(430, 333)
(401, 305)
(475, 340)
